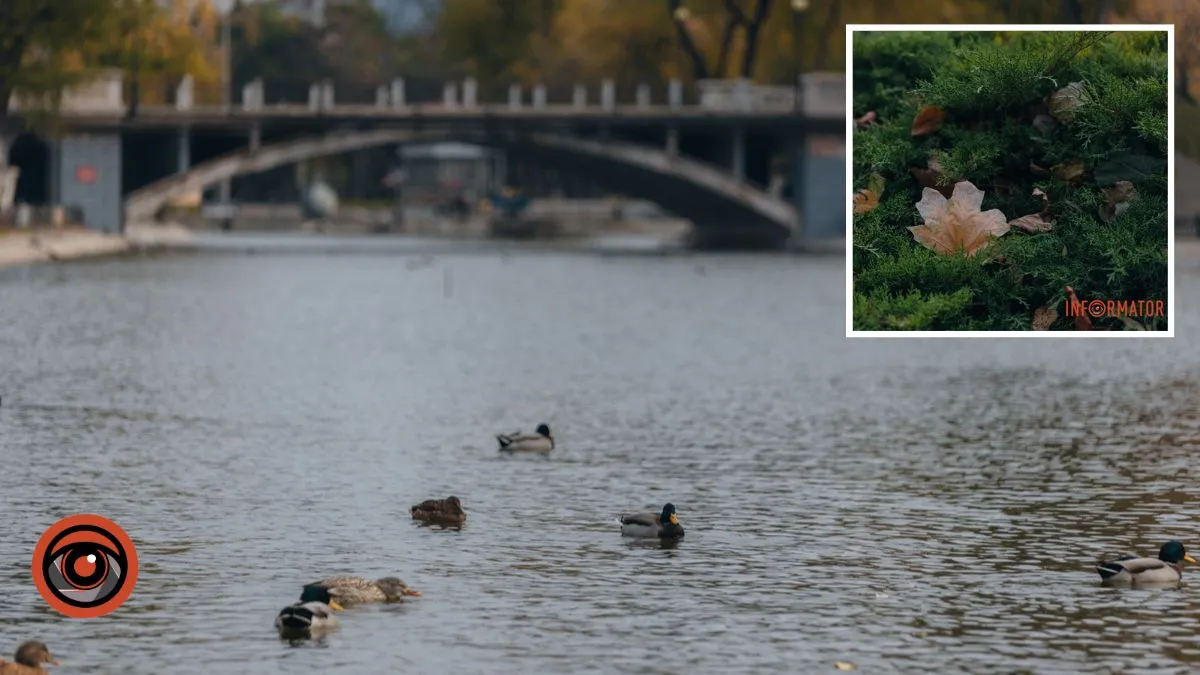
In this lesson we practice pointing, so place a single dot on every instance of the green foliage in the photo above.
(33, 34)
(992, 87)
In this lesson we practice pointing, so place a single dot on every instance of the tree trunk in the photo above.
(731, 24)
(1072, 11)
(699, 69)
(832, 20)
(752, 29)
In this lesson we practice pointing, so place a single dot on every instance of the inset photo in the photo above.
(1010, 180)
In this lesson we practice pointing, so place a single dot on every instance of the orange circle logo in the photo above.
(85, 566)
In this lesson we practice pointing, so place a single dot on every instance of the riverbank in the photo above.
(35, 245)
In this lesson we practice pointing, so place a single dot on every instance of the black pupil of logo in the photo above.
(75, 579)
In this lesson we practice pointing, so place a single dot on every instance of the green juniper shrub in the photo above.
(1069, 114)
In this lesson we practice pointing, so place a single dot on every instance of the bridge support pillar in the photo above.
(739, 154)
(183, 151)
(820, 169)
(87, 175)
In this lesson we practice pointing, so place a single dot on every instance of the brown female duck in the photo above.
(448, 511)
(28, 660)
(348, 591)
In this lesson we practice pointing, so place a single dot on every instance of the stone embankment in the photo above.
(33, 245)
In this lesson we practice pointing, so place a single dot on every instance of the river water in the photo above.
(256, 422)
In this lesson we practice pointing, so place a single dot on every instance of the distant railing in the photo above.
(824, 95)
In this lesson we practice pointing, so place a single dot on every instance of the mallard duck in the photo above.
(356, 590)
(542, 441)
(28, 660)
(1166, 569)
(314, 612)
(448, 511)
(649, 525)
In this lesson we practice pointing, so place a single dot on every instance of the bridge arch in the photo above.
(719, 206)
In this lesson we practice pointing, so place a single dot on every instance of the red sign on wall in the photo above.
(85, 173)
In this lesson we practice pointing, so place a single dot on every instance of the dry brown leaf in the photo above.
(1116, 200)
(1038, 170)
(867, 199)
(1065, 101)
(1035, 222)
(928, 178)
(957, 224)
(1032, 223)
(866, 120)
(928, 120)
(1043, 318)
(1068, 172)
(1082, 322)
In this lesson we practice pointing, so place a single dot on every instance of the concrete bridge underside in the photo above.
(724, 210)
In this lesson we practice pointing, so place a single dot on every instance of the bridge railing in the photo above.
(824, 95)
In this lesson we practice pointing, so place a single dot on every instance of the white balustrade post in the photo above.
(450, 95)
(314, 96)
(675, 94)
(184, 93)
(514, 96)
(398, 92)
(327, 95)
(381, 96)
(470, 90)
(579, 99)
(608, 95)
(539, 97)
(643, 96)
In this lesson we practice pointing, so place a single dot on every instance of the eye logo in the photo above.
(85, 566)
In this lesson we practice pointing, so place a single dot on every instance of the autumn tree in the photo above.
(353, 49)
(157, 44)
(35, 42)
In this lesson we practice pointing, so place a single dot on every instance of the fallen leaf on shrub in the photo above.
(1038, 170)
(1082, 322)
(866, 120)
(1044, 124)
(867, 199)
(1043, 317)
(1035, 222)
(1065, 101)
(1068, 172)
(1116, 200)
(1129, 167)
(928, 120)
(957, 224)
(928, 178)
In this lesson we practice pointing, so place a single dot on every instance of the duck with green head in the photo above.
(29, 659)
(1167, 568)
(314, 612)
(650, 525)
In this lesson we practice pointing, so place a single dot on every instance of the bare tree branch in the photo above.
(731, 24)
(752, 31)
(699, 68)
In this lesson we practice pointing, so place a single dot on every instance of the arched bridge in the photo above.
(719, 204)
